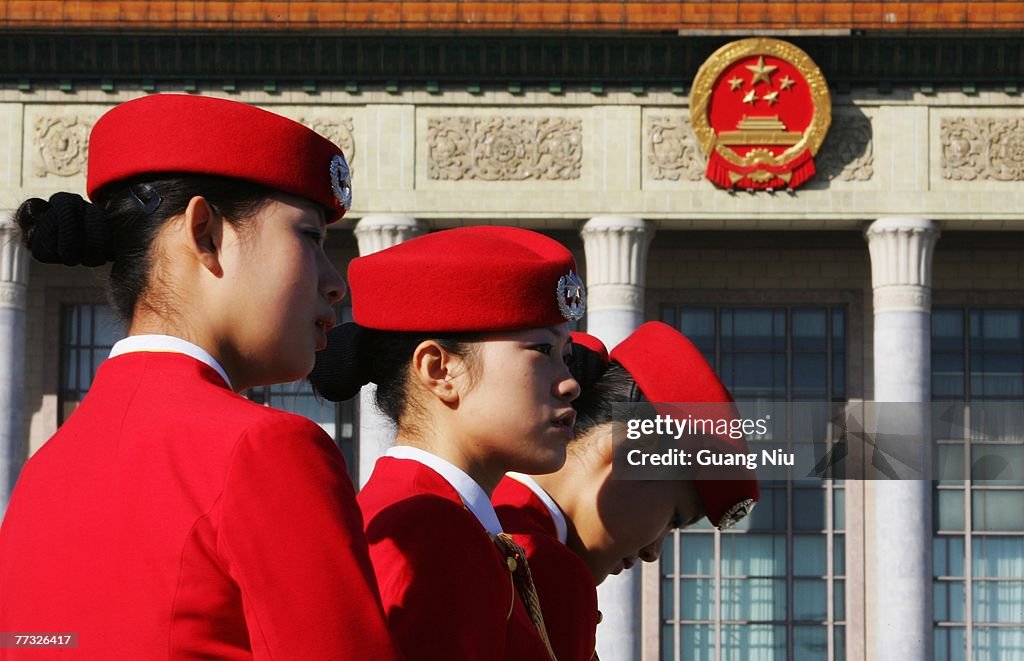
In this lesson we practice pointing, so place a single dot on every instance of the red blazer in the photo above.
(171, 518)
(564, 585)
(446, 588)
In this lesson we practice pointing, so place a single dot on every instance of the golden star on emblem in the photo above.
(761, 72)
(771, 98)
(750, 98)
(735, 83)
(786, 83)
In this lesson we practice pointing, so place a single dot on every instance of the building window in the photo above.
(87, 332)
(978, 364)
(774, 586)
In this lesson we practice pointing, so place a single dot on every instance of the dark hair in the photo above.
(356, 356)
(594, 405)
(122, 226)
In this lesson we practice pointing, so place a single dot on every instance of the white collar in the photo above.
(167, 344)
(561, 527)
(472, 495)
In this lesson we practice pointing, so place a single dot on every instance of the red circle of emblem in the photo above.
(760, 109)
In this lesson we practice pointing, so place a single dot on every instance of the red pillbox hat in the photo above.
(668, 368)
(469, 279)
(167, 134)
(590, 342)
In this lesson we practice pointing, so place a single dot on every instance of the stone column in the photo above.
(376, 433)
(901, 267)
(13, 294)
(616, 252)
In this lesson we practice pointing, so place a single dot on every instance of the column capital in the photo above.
(901, 262)
(13, 265)
(625, 239)
(375, 233)
(616, 250)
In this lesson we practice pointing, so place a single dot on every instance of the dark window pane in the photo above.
(949, 509)
(997, 375)
(753, 555)
(761, 599)
(810, 376)
(697, 641)
(838, 376)
(698, 324)
(998, 511)
(668, 315)
(997, 557)
(809, 509)
(809, 556)
(947, 374)
(809, 330)
(948, 330)
(838, 329)
(751, 375)
(998, 643)
(839, 600)
(753, 642)
(770, 513)
(996, 330)
(697, 598)
(753, 330)
(810, 643)
(85, 327)
(948, 555)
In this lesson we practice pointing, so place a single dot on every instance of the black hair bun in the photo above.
(66, 230)
(586, 366)
(337, 374)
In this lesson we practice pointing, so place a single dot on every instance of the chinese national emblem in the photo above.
(760, 109)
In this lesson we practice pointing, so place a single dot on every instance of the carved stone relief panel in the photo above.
(848, 151)
(503, 148)
(60, 145)
(672, 150)
(982, 148)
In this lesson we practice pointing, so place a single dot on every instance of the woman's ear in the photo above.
(603, 442)
(204, 234)
(435, 368)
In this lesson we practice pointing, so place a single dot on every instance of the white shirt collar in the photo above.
(472, 495)
(561, 527)
(167, 344)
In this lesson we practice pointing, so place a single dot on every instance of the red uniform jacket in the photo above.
(564, 585)
(171, 518)
(446, 588)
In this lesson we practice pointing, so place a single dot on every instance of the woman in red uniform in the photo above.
(465, 333)
(170, 517)
(579, 524)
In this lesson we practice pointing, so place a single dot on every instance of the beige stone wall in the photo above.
(554, 160)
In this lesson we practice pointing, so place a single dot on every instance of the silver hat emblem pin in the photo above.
(572, 296)
(341, 181)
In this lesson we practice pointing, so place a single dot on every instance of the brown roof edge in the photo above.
(687, 16)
